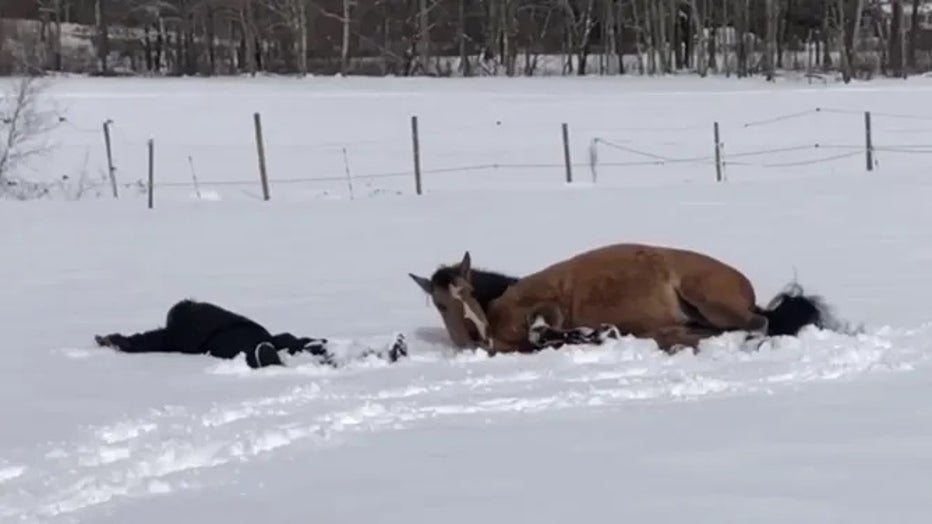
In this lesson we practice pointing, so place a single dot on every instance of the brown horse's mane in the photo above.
(487, 285)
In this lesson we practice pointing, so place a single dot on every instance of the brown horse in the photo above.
(674, 296)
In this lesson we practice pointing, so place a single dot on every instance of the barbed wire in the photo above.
(120, 137)
(896, 130)
(743, 154)
(401, 174)
(906, 146)
(905, 149)
(780, 118)
(877, 113)
(250, 146)
(761, 152)
(657, 129)
(798, 162)
(666, 159)
(79, 129)
(819, 109)
(275, 181)
(126, 137)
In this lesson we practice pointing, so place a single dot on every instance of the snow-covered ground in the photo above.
(824, 428)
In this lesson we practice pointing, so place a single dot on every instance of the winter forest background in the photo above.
(42, 41)
(851, 38)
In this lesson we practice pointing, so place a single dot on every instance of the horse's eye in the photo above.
(441, 308)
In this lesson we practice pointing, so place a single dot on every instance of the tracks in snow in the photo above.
(165, 449)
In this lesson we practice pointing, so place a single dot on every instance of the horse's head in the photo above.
(451, 289)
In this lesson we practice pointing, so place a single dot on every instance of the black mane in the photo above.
(487, 285)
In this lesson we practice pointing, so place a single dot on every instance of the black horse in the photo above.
(195, 327)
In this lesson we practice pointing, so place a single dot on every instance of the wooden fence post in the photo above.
(868, 141)
(594, 158)
(566, 153)
(151, 172)
(110, 167)
(718, 154)
(260, 149)
(415, 142)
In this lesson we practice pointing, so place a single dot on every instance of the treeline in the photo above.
(467, 37)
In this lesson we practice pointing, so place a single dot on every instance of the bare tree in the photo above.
(423, 34)
(345, 21)
(25, 127)
(461, 37)
(102, 12)
(747, 37)
(293, 16)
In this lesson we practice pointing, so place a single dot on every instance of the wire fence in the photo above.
(875, 141)
(269, 163)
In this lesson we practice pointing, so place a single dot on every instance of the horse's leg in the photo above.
(156, 340)
(725, 310)
(544, 321)
(396, 350)
(542, 336)
(248, 338)
(314, 346)
(672, 339)
(318, 348)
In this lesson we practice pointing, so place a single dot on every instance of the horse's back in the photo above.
(644, 271)
(709, 273)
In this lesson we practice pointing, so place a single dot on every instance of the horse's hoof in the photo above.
(536, 335)
(106, 341)
(607, 332)
(316, 346)
(677, 348)
(754, 342)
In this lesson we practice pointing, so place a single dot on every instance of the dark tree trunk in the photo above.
(147, 48)
(211, 32)
(103, 35)
(895, 44)
(913, 34)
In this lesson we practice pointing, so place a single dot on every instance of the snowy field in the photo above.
(823, 428)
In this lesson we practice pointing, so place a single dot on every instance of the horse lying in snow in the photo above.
(203, 328)
(674, 296)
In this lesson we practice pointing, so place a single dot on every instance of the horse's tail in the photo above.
(791, 310)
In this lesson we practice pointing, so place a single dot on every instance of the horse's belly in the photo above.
(633, 320)
(634, 303)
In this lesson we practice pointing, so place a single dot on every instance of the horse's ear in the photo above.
(423, 283)
(465, 265)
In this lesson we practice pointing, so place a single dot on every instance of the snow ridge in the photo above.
(163, 450)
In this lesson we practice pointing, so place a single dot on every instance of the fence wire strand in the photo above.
(876, 113)
(781, 118)
(400, 174)
(662, 158)
(797, 163)
(817, 110)
(925, 150)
